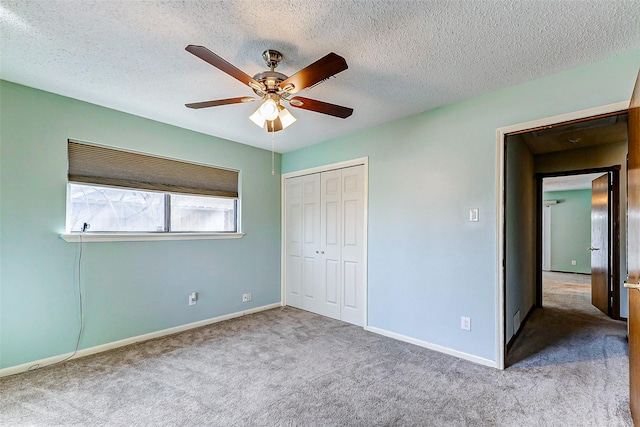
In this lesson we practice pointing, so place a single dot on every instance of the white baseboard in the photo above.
(11, 370)
(435, 347)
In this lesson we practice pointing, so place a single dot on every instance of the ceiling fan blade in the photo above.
(321, 107)
(217, 102)
(213, 59)
(322, 69)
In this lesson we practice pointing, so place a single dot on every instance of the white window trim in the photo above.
(144, 237)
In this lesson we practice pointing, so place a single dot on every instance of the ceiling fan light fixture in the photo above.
(269, 109)
(286, 118)
(257, 118)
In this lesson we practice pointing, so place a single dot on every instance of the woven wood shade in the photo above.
(93, 164)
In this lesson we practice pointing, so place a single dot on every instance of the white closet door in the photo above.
(325, 243)
(312, 298)
(293, 248)
(329, 277)
(353, 274)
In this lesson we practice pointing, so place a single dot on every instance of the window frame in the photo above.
(134, 236)
(118, 236)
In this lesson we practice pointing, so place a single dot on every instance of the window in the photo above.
(196, 213)
(124, 192)
(114, 209)
(110, 209)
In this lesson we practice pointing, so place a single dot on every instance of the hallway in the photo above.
(568, 328)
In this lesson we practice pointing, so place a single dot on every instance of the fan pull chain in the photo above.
(273, 147)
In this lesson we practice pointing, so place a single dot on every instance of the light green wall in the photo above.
(520, 255)
(570, 230)
(129, 288)
(428, 265)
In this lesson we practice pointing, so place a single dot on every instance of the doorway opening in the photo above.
(592, 143)
(578, 219)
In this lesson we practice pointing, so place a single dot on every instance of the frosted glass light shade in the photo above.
(269, 109)
(283, 117)
(286, 118)
(257, 118)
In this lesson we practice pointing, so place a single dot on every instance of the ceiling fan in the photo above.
(273, 87)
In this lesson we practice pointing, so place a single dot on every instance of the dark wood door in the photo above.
(633, 251)
(600, 238)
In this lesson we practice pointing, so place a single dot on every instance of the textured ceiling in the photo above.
(404, 57)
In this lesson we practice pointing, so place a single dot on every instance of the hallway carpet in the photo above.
(287, 367)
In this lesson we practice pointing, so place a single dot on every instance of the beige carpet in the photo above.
(287, 367)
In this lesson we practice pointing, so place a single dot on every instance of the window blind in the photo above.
(94, 164)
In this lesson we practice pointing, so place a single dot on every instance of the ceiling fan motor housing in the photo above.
(272, 58)
(271, 80)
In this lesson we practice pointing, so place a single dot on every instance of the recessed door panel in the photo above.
(331, 183)
(331, 226)
(310, 188)
(350, 222)
(294, 223)
(310, 223)
(332, 281)
(294, 275)
(351, 183)
(350, 285)
(308, 275)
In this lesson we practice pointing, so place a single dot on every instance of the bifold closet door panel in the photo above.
(329, 278)
(353, 245)
(312, 298)
(293, 242)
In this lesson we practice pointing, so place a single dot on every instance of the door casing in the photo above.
(633, 250)
(501, 134)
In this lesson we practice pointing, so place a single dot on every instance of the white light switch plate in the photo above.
(465, 323)
(474, 215)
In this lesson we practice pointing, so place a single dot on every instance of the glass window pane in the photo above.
(115, 209)
(198, 213)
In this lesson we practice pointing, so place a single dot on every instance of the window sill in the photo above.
(143, 237)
